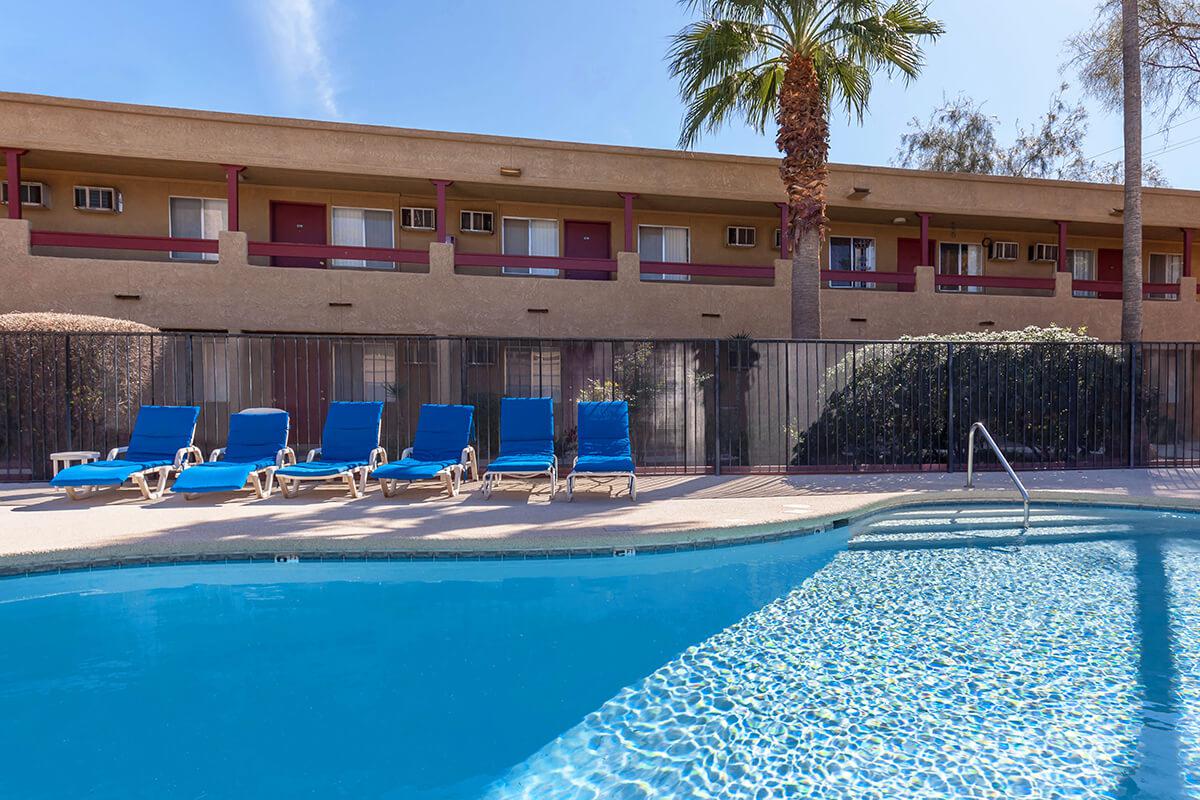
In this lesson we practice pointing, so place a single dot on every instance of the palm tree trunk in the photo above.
(804, 141)
(1131, 273)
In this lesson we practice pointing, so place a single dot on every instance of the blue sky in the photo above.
(559, 69)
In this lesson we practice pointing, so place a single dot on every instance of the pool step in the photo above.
(977, 523)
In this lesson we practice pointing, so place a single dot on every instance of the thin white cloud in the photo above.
(294, 29)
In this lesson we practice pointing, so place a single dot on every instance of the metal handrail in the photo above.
(979, 426)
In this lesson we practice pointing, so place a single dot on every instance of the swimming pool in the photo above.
(934, 653)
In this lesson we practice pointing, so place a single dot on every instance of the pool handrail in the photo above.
(979, 426)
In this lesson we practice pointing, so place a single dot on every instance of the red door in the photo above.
(908, 258)
(298, 223)
(1109, 266)
(587, 240)
(301, 373)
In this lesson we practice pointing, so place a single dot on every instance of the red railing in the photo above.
(862, 276)
(535, 262)
(109, 241)
(1114, 290)
(706, 270)
(994, 282)
(332, 251)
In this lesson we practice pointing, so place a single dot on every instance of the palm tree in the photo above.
(794, 60)
(1131, 80)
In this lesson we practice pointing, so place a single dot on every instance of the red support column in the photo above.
(924, 238)
(630, 246)
(1188, 237)
(441, 208)
(1062, 245)
(12, 163)
(232, 176)
(785, 241)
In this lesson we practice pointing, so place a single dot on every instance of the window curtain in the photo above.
(543, 237)
(675, 244)
(196, 218)
(359, 227)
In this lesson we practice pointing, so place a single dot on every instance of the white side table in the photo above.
(60, 461)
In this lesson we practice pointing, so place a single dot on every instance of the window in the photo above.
(483, 352)
(32, 193)
(664, 243)
(1003, 251)
(418, 219)
(740, 236)
(529, 237)
(533, 372)
(1083, 268)
(196, 218)
(960, 259)
(363, 227)
(1165, 268)
(854, 253)
(475, 222)
(420, 351)
(378, 372)
(96, 198)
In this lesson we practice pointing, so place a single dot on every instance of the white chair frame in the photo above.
(356, 478)
(184, 458)
(451, 476)
(260, 480)
(491, 479)
(600, 477)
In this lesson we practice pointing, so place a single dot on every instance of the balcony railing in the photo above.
(993, 282)
(706, 270)
(109, 241)
(325, 252)
(561, 263)
(856, 276)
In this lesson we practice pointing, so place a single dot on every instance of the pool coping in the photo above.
(613, 544)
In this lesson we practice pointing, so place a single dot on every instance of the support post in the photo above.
(785, 241)
(628, 198)
(717, 403)
(1188, 239)
(925, 239)
(440, 223)
(12, 165)
(1062, 246)
(233, 174)
(950, 407)
(1133, 406)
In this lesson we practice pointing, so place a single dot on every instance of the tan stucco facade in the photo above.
(152, 154)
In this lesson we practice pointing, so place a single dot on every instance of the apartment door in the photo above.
(1109, 266)
(587, 240)
(301, 374)
(908, 258)
(298, 223)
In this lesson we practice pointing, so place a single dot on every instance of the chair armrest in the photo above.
(285, 456)
(186, 456)
(217, 455)
(574, 461)
(117, 451)
(464, 458)
(406, 453)
(555, 462)
(378, 456)
(312, 454)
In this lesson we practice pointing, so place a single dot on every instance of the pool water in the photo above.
(934, 653)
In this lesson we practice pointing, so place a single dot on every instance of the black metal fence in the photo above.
(697, 406)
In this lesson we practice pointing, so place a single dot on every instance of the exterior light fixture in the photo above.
(859, 193)
(1117, 212)
(510, 172)
(899, 220)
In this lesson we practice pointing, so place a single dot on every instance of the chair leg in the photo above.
(633, 488)
(571, 488)
(488, 485)
(553, 482)
(80, 492)
(268, 482)
(352, 485)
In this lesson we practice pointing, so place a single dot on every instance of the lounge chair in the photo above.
(526, 443)
(161, 444)
(256, 447)
(604, 449)
(441, 450)
(349, 450)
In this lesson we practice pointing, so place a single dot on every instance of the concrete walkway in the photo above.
(41, 529)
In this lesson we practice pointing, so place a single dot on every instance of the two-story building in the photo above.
(193, 220)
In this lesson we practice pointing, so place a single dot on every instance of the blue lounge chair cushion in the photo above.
(319, 469)
(604, 464)
(604, 437)
(218, 476)
(527, 427)
(412, 469)
(443, 431)
(256, 434)
(520, 463)
(351, 431)
(105, 473)
(159, 432)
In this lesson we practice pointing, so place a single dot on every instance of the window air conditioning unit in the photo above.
(1003, 251)
(1043, 252)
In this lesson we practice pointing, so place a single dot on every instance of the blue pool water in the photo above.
(934, 653)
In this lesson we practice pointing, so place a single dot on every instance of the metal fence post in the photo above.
(462, 370)
(950, 406)
(717, 403)
(69, 400)
(191, 371)
(1133, 407)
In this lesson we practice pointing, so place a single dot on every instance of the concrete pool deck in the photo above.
(40, 529)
